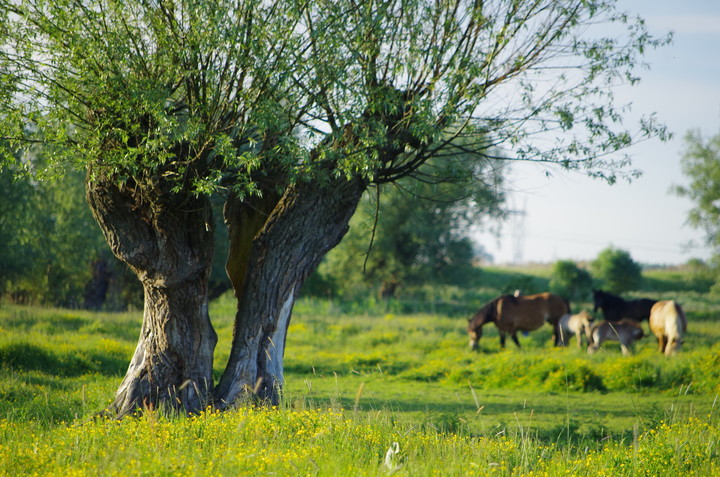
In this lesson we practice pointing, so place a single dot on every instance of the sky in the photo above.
(568, 216)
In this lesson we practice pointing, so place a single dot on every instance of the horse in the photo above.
(615, 308)
(518, 313)
(625, 331)
(668, 323)
(576, 324)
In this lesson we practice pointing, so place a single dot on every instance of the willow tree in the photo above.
(290, 109)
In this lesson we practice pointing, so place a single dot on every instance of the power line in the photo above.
(518, 231)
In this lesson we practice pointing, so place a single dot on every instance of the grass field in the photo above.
(362, 376)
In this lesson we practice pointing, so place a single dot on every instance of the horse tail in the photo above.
(567, 304)
(683, 318)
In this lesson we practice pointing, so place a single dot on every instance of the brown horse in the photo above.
(625, 331)
(668, 323)
(518, 313)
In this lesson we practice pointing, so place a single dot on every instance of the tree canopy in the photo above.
(128, 86)
(701, 164)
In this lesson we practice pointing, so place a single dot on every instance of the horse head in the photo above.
(486, 314)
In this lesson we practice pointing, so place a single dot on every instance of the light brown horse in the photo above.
(577, 324)
(668, 323)
(625, 331)
(518, 313)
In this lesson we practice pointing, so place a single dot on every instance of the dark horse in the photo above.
(518, 313)
(615, 308)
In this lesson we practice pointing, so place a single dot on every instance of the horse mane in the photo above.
(611, 299)
(487, 313)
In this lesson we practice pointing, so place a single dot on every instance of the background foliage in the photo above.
(416, 231)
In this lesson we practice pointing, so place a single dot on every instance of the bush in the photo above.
(617, 270)
(570, 281)
(631, 373)
(575, 375)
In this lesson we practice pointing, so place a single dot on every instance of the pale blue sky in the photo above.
(569, 216)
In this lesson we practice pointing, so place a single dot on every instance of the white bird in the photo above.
(392, 457)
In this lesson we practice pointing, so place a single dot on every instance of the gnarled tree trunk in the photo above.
(169, 245)
(307, 222)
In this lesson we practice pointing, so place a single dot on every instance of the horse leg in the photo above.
(661, 343)
(578, 338)
(502, 340)
(515, 339)
(625, 350)
(558, 334)
(475, 339)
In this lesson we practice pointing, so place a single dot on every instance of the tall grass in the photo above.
(251, 441)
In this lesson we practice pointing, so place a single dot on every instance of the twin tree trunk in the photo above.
(275, 245)
(306, 223)
(168, 243)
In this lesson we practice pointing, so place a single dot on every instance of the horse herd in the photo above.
(524, 313)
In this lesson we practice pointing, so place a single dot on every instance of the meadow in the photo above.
(362, 376)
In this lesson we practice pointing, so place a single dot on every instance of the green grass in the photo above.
(362, 375)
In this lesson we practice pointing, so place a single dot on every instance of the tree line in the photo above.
(402, 237)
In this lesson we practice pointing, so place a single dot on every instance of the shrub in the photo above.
(630, 373)
(575, 375)
(570, 281)
(706, 372)
(617, 270)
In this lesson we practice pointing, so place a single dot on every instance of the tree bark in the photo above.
(308, 221)
(168, 243)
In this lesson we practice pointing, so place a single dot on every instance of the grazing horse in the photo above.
(518, 313)
(668, 323)
(625, 331)
(615, 308)
(577, 324)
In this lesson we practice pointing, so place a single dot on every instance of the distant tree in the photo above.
(49, 240)
(617, 271)
(700, 162)
(570, 281)
(700, 274)
(16, 225)
(418, 231)
(53, 252)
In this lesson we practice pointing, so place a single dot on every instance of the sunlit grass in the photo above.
(360, 377)
(260, 441)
